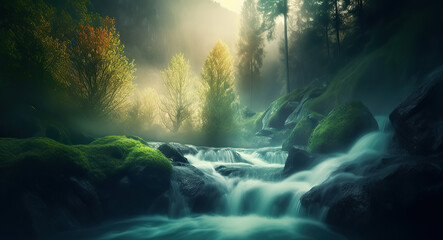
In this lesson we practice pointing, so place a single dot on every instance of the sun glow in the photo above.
(233, 5)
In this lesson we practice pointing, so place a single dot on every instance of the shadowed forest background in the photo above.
(73, 69)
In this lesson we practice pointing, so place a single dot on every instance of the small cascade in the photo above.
(254, 201)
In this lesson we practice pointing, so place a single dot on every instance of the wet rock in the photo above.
(134, 192)
(173, 152)
(201, 191)
(418, 121)
(233, 170)
(298, 160)
(46, 208)
(265, 132)
(302, 131)
(393, 198)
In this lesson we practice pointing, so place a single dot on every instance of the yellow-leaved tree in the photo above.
(177, 105)
(218, 96)
(101, 74)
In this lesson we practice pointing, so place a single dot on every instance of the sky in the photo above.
(233, 5)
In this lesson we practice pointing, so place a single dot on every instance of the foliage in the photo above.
(270, 10)
(102, 74)
(341, 127)
(28, 43)
(178, 103)
(33, 158)
(250, 46)
(141, 110)
(218, 95)
(302, 131)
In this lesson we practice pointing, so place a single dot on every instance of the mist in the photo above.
(153, 31)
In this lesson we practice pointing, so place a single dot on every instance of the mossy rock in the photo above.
(302, 131)
(38, 158)
(47, 186)
(279, 110)
(341, 128)
(252, 124)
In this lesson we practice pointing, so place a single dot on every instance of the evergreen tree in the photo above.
(218, 95)
(250, 46)
(270, 10)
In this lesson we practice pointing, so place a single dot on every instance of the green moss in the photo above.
(341, 127)
(277, 114)
(302, 131)
(252, 124)
(98, 161)
(375, 71)
(279, 110)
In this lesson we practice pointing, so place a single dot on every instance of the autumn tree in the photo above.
(250, 45)
(34, 63)
(177, 104)
(218, 95)
(271, 9)
(101, 74)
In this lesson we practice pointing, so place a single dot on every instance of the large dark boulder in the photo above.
(342, 127)
(174, 152)
(298, 160)
(134, 193)
(384, 198)
(200, 191)
(45, 207)
(418, 121)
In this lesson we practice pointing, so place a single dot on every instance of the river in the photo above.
(257, 201)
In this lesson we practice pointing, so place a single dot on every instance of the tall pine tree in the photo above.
(271, 9)
(218, 96)
(250, 46)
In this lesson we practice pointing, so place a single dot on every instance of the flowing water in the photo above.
(258, 203)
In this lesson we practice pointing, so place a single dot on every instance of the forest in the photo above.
(221, 119)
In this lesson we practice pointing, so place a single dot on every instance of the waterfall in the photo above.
(257, 201)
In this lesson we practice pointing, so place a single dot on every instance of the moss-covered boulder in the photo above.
(47, 186)
(302, 131)
(279, 110)
(341, 128)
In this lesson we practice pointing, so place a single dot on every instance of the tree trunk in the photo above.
(337, 26)
(327, 39)
(361, 18)
(251, 67)
(288, 88)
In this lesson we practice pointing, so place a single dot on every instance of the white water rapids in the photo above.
(259, 204)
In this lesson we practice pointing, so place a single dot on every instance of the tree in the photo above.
(140, 111)
(270, 10)
(250, 45)
(34, 63)
(177, 105)
(218, 95)
(337, 21)
(101, 74)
